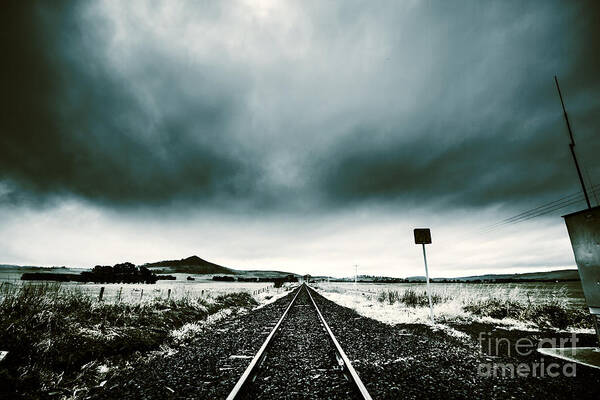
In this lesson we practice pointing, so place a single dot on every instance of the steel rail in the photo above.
(361, 388)
(259, 355)
(256, 361)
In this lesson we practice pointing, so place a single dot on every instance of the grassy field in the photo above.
(60, 336)
(532, 305)
(181, 288)
(536, 290)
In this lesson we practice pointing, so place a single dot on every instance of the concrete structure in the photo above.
(584, 231)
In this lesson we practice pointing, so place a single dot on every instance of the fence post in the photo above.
(101, 293)
(169, 295)
(120, 291)
(141, 294)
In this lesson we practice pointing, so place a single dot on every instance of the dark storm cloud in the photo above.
(489, 127)
(325, 105)
(72, 125)
(475, 171)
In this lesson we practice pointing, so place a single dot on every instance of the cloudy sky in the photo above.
(306, 136)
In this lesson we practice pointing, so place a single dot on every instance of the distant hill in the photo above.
(558, 275)
(546, 276)
(196, 265)
(260, 274)
(190, 265)
(19, 269)
(193, 265)
(418, 278)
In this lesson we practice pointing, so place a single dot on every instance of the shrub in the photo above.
(496, 308)
(554, 312)
(409, 297)
(238, 299)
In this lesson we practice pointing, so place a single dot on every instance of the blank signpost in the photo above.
(423, 237)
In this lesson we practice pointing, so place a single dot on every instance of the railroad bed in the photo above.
(299, 360)
(394, 362)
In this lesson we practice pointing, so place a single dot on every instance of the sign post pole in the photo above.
(428, 286)
(423, 237)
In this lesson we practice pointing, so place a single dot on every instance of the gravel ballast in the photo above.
(301, 362)
(206, 368)
(413, 362)
(394, 362)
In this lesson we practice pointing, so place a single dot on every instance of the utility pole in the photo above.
(572, 145)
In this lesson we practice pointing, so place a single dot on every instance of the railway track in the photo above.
(300, 358)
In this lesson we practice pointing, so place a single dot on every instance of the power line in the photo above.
(541, 210)
(533, 210)
(539, 213)
(562, 202)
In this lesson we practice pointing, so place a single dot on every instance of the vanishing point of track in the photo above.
(300, 337)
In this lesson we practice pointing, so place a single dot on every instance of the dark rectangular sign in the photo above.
(422, 236)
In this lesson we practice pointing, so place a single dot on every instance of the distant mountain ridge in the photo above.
(557, 275)
(196, 265)
(560, 275)
(190, 265)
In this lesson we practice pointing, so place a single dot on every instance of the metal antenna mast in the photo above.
(572, 145)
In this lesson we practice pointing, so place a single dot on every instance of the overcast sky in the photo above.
(306, 136)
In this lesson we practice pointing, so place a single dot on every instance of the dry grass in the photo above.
(52, 332)
(555, 312)
(529, 306)
(409, 297)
